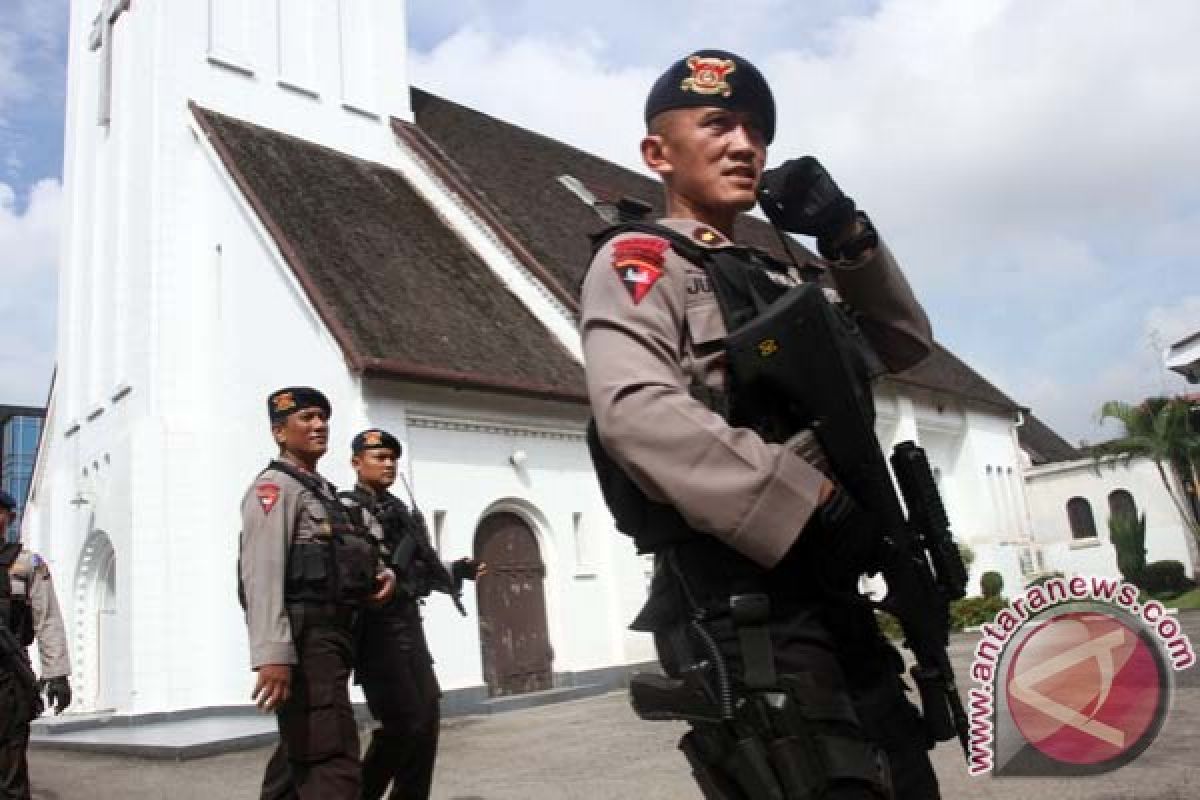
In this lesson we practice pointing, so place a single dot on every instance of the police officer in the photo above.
(394, 665)
(29, 611)
(306, 567)
(743, 529)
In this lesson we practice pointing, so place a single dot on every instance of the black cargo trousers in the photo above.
(396, 672)
(839, 670)
(317, 755)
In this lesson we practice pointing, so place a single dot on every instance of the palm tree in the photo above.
(1158, 431)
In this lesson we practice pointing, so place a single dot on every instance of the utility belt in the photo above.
(757, 734)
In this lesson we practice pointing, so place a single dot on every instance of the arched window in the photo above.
(1120, 504)
(1079, 514)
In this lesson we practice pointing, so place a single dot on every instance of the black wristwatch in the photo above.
(854, 247)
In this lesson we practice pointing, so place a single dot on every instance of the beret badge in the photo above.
(284, 401)
(708, 75)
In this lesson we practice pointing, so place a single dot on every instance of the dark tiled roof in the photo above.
(945, 372)
(404, 296)
(513, 173)
(1043, 445)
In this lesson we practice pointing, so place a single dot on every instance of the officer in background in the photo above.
(745, 530)
(28, 611)
(393, 664)
(306, 568)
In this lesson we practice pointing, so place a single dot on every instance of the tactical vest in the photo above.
(744, 289)
(16, 607)
(406, 546)
(338, 568)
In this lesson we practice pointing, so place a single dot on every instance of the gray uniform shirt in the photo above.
(276, 510)
(650, 333)
(30, 579)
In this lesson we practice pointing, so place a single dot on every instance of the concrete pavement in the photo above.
(595, 749)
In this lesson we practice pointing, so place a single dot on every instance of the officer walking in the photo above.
(747, 533)
(28, 611)
(394, 665)
(306, 568)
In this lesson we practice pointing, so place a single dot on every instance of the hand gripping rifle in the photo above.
(797, 362)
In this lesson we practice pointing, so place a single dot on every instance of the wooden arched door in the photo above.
(513, 636)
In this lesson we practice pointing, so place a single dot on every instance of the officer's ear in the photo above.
(356, 461)
(654, 154)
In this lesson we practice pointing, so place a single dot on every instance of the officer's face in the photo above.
(376, 466)
(6, 517)
(711, 158)
(304, 433)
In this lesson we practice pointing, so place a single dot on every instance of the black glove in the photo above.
(58, 693)
(799, 196)
(464, 569)
(841, 541)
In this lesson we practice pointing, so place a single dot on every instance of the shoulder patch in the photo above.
(268, 495)
(638, 262)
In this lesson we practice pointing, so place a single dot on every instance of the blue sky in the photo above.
(1034, 163)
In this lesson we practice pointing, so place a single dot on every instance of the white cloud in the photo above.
(28, 271)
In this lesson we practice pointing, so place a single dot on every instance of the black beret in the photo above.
(282, 403)
(714, 78)
(372, 439)
(6, 501)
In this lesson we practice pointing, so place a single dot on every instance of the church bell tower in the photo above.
(153, 247)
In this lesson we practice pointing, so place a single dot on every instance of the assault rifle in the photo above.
(417, 543)
(797, 367)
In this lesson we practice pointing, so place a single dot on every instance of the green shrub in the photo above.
(971, 612)
(1165, 577)
(992, 584)
(1128, 536)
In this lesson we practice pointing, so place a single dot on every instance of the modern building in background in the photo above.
(1184, 357)
(20, 427)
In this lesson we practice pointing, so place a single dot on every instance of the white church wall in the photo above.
(331, 71)
(1050, 487)
(975, 461)
(242, 328)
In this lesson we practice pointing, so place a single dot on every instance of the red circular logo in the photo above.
(1085, 688)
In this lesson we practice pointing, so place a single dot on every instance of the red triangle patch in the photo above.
(267, 493)
(639, 264)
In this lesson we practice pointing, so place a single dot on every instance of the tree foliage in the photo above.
(1128, 536)
(1159, 431)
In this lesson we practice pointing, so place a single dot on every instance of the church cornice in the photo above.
(464, 425)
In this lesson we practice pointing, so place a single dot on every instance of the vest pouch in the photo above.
(308, 572)
(356, 559)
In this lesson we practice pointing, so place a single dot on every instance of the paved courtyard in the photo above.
(595, 749)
